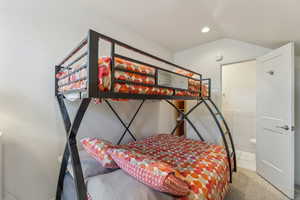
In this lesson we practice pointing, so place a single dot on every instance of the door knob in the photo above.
(285, 127)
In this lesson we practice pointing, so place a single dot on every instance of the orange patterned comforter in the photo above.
(203, 166)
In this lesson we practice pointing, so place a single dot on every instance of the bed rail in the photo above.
(89, 49)
(206, 84)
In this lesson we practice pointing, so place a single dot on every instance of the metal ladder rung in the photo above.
(219, 116)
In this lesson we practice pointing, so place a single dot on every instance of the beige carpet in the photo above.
(247, 185)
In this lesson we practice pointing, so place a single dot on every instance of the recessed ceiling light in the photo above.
(205, 29)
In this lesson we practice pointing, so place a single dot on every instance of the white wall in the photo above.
(34, 36)
(239, 102)
(202, 58)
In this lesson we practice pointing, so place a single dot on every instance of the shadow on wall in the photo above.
(205, 123)
(26, 143)
(100, 121)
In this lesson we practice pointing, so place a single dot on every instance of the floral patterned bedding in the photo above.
(203, 166)
(124, 71)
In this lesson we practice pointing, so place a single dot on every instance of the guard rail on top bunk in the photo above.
(91, 54)
(89, 49)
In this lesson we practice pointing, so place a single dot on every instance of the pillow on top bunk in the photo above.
(156, 174)
(98, 148)
(90, 166)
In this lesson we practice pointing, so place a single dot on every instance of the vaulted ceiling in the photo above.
(177, 24)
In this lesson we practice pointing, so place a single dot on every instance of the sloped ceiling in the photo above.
(177, 24)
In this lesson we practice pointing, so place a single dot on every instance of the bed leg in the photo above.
(62, 173)
(71, 149)
(66, 155)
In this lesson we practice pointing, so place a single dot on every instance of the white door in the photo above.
(275, 118)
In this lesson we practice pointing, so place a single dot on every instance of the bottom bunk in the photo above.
(183, 168)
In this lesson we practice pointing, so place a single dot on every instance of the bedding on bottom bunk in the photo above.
(202, 166)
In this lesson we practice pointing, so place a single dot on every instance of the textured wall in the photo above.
(34, 36)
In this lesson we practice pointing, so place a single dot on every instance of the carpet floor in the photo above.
(247, 185)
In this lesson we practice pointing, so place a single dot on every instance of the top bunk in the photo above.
(102, 67)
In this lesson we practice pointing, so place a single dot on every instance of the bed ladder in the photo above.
(223, 128)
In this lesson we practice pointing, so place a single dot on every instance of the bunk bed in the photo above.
(86, 75)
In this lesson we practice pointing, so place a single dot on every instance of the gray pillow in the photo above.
(120, 186)
(90, 166)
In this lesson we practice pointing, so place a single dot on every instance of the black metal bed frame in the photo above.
(92, 91)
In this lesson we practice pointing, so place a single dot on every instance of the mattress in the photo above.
(204, 166)
(116, 185)
(133, 77)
